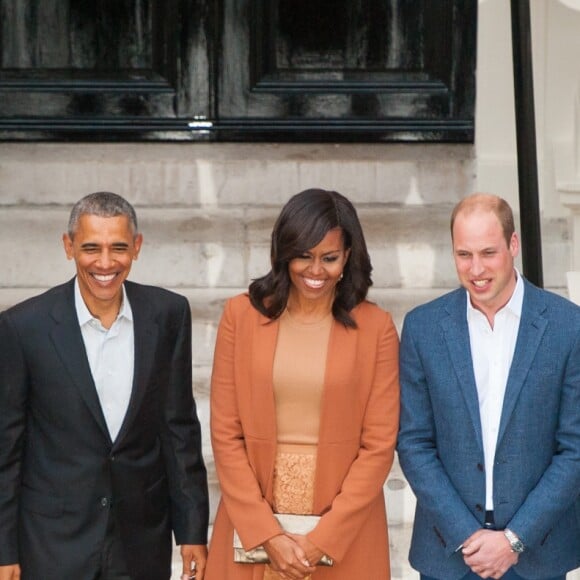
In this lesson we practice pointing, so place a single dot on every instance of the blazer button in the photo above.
(480, 467)
(479, 507)
(104, 501)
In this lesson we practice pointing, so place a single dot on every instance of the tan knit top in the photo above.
(298, 374)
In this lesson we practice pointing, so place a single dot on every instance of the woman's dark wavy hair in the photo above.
(302, 224)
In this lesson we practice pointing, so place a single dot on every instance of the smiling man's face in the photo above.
(484, 260)
(103, 249)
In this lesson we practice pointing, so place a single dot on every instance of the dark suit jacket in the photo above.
(60, 473)
(537, 460)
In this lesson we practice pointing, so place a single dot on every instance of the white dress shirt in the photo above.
(492, 351)
(111, 355)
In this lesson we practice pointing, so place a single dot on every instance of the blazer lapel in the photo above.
(457, 339)
(263, 347)
(338, 380)
(532, 328)
(145, 332)
(68, 341)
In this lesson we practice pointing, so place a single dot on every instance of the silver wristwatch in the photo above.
(516, 544)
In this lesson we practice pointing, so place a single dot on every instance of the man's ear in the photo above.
(137, 243)
(68, 246)
(514, 245)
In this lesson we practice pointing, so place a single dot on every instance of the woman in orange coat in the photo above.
(305, 404)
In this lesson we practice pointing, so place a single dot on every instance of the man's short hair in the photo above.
(487, 202)
(102, 204)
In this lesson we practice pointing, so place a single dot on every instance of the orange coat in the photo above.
(358, 430)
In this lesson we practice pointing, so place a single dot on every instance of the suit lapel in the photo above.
(145, 331)
(532, 328)
(456, 334)
(68, 342)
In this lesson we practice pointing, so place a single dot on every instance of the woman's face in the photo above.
(315, 274)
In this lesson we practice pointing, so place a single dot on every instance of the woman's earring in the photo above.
(340, 277)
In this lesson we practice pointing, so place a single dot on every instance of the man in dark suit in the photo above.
(490, 421)
(100, 445)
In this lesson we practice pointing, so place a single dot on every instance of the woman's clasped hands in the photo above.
(289, 556)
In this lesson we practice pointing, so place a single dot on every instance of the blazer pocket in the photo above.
(41, 503)
(149, 505)
(157, 492)
(440, 536)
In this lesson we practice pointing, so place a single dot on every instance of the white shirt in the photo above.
(111, 355)
(492, 351)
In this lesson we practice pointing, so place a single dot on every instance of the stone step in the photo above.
(207, 305)
(173, 174)
(226, 248)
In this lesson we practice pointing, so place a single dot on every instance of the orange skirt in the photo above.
(294, 473)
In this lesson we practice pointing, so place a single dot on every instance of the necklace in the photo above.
(302, 322)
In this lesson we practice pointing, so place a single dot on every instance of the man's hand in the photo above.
(288, 558)
(194, 557)
(488, 553)
(10, 572)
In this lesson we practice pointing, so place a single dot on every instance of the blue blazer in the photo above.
(537, 461)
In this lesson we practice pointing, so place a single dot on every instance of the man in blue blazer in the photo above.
(490, 421)
(100, 445)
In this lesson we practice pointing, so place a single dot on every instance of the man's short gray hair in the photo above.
(102, 204)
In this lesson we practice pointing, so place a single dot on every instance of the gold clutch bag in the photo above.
(292, 523)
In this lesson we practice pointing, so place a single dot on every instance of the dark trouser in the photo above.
(113, 564)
